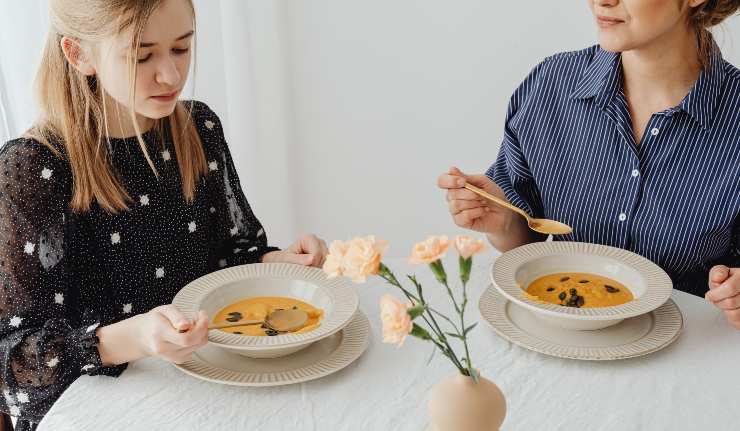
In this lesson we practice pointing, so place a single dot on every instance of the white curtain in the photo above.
(250, 98)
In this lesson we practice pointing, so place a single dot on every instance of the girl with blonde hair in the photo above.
(114, 200)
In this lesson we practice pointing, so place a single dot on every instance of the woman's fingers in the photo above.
(448, 181)
(727, 289)
(731, 303)
(717, 275)
(466, 218)
(462, 194)
(457, 206)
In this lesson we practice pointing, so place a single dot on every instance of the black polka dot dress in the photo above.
(64, 274)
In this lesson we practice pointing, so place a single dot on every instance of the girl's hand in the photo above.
(724, 292)
(469, 210)
(309, 250)
(159, 332)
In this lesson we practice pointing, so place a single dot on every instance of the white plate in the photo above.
(329, 355)
(632, 337)
(516, 269)
(212, 292)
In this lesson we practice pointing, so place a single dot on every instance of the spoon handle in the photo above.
(231, 325)
(496, 200)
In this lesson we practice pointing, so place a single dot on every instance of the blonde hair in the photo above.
(73, 105)
(706, 15)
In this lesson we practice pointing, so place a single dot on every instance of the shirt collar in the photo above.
(602, 78)
(704, 96)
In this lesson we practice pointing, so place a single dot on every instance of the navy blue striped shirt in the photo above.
(569, 154)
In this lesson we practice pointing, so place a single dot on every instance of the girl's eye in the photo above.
(143, 60)
(180, 50)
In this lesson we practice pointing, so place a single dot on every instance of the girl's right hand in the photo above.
(160, 333)
(471, 211)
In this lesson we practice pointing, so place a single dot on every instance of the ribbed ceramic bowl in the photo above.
(514, 270)
(214, 291)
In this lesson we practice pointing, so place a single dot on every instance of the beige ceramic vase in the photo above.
(457, 403)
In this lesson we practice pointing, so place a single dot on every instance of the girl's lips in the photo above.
(605, 21)
(165, 97)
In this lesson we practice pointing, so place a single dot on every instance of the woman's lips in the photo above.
(605, 21)
(167, 97)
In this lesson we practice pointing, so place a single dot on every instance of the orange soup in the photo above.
(577, 289)
(258, 308)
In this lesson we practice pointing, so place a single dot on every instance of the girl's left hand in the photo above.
(309, 250)
(724, 292)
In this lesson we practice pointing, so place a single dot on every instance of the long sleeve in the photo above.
(238, 236)
(511, 171)
(44, 343)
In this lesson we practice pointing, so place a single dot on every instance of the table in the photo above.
(692, 384)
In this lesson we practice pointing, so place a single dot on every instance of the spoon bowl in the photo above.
(541, 225)
(279, 320)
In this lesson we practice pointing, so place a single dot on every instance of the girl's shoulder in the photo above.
(208, 125)
(30, 158)
(35, 178)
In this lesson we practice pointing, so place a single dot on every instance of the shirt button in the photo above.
(635, 173)
(655, 131)
(622, 217)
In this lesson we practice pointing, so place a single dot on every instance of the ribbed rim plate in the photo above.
(355, 338)
(663, 327)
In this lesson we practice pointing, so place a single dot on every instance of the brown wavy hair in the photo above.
(707, 15)
(73, 109)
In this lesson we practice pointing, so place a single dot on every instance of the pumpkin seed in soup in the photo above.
(260, 307)
(589, 289)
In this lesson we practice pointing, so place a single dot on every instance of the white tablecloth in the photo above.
(692, 384)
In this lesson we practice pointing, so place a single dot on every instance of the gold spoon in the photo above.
(279, 320)
(541, 225)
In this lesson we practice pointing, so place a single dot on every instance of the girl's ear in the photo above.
(77, 56)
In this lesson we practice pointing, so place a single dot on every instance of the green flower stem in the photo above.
(432, 310)
(388, 276)
(471, 371)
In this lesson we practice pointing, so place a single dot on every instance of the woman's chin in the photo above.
(612, 42)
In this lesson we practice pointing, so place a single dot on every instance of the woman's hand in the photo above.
(309, 250)
(165, 332)
(469, 210)
(724, 292)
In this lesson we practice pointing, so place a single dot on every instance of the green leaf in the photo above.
(419, 332)
(416, 311)
(469, 328)
(454, 335)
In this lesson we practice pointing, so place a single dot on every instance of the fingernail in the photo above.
(461, 182)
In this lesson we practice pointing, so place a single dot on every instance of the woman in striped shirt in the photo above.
(635, 143)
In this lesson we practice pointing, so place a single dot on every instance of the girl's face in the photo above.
(163, 62)
(633, 24)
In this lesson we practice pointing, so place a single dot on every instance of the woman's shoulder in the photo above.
(29, 154)
(565, 68)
